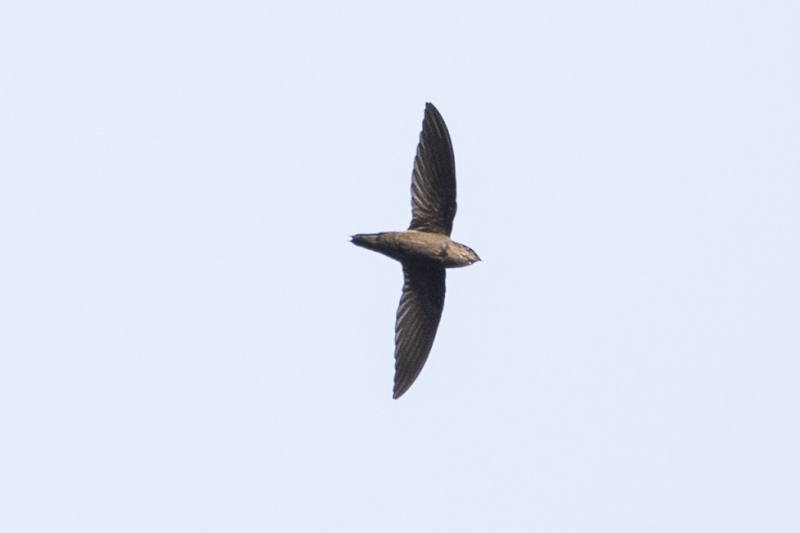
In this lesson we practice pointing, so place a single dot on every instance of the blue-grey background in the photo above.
(190, 343)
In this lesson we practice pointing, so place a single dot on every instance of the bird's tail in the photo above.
(365, 240)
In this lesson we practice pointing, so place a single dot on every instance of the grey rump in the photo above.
(425, 250)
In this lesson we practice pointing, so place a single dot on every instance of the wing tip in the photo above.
(431, 109)
(400, 389)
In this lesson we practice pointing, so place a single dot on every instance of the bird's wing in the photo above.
(433, 183)
(417, 319)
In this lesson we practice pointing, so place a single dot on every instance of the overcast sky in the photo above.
(188, 342)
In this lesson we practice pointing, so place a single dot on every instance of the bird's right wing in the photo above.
(417, 319)
(433, 182)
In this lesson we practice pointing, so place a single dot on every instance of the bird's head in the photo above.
(459, 255)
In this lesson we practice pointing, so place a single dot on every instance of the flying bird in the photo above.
(425, 249)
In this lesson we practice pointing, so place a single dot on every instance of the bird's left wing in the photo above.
(417, 319)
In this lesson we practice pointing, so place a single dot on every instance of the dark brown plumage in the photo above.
(425, 250)
(433, 182)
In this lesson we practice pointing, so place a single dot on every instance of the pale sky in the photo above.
(188, 341)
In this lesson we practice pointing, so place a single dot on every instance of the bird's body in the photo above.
(424, 250)
(413, 244)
